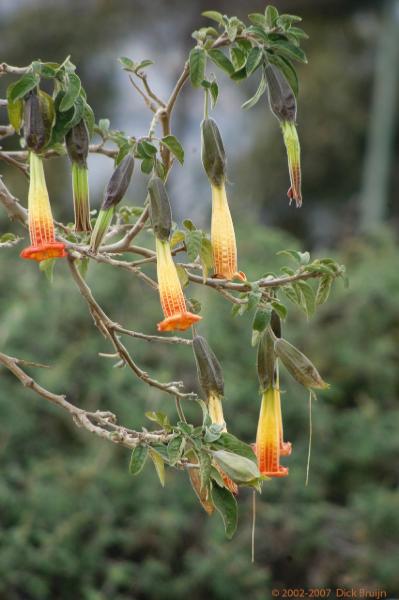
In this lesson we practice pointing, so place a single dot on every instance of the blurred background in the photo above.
(74, 523)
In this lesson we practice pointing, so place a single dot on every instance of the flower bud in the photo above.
(298, 365)
(213, 154)
(119, 182)
(281, 97)
(34, 127)
(209, 370)
(161, 215)
(77, 144)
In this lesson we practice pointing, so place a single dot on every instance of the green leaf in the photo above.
(47, 267)
(197, 61)
(104, 125)
(19, 89)
(228, 441)
(193, 244)
(261, 321)
(271, 14)
(71, 93)
(221, 60)
(287, 70)
(89, 118)
(127, 63)
(298, 33)
(258, 19)
(239, 468)
(280, 309)
(226, 505)
(206, 256)
(158, 417)
(254, 59)
(182, 275)
(308, 297)
(175, 449)
(214, 15)
(159, 465)
(214, 90)
(323, 291)
(137, 459)
(205, 462)
(173, 144)
(292, 294)
(147, 165)
(177, 238)
(14, 110)
(238, 58)
(144, 64)
(290, 50)
(149, 148)
(258, 94)
(188, 224)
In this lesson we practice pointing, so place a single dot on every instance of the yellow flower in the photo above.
(269, 437)
(40, 218)
(292, 145)
(170, 292)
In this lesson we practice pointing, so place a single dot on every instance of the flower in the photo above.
(77, 145)
(40, 218)
(269, 437)
(223, 239)
(292, 145)
(171, 293)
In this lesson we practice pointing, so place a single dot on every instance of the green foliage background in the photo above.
(73, 523)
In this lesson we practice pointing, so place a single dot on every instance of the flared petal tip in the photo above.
(44, 251)
(180, 322)
(240, 275)
(281, 472)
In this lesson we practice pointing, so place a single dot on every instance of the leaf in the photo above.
(14, 110)
(197, 62)
(47, 267)
(280, 309)
(290, 50)
(214, 15)
(324, 289)
(258, 94)
(71, 93)
(159, 465)
(308, 297)
(254, 59)
(158, 417)
(149, 148)
(188, 224)
(19, 89)
(147, 165)
(221, 60)
(144, 64)
(173, 144)
(137, 459)
(206, 256)
(193, 244)
(238, 58)
(214, 90)
(127, 63)
(182, 275)
(271, 14)
(175, 449)
(228, 441)
(261, 321)
(287, 70)
(258, 19)
(226, 505)
(239, 468)
(89, 118)
(177, 238)
(205, 462)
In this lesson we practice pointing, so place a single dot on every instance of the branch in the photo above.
(14, 209)
(101, 423)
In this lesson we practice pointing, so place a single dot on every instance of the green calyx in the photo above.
(38, 120)
(281, 97)
(81, 199)
(77, 144)
(119, 182)
(212, 152)
(209, 370)
(161, 214)
(101, 227)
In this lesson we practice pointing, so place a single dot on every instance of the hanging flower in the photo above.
(269, 437)
(223, 239)
(282, 103)
(40, 218)
(171, 293)
(77, 145)
(292, 145)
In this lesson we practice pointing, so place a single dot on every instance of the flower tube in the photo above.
(40, 218)
(173, 303)
(224, 247)
(77, 145)
(269, 436)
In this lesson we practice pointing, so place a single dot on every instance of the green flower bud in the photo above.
(281, 97)
(161, 215)
(213, 154)
(298, 365)
(34, 126)
(209, 370)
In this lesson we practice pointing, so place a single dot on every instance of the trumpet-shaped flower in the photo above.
(269, 437)
(292, 145)
(171, 293)
(41, 225)
(224, 247)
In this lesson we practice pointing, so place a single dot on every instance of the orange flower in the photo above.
(41, 225)
(170, 292)
(291, 141)
(223, 238)
(269, 437)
